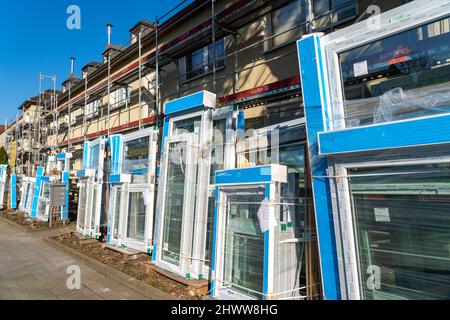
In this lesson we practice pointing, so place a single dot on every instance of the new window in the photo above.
(200, 61)
(401, 222)
(288, 23)
(403, 76)
(331, 13)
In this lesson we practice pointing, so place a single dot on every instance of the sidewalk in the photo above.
(31, 269)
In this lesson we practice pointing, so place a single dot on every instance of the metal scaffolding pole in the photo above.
(109, 92)
(140, 78)
(158, 102)
(213, 31)
(85, 105)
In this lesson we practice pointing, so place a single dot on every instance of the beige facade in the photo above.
(256, 65)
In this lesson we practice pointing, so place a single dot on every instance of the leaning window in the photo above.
(400, 77)
(401, 222)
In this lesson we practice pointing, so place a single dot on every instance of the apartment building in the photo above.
(2, 136)
(255, 68)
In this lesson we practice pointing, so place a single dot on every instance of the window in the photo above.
(330, 13)
(92, 108)
(244, 242)
(136, 216)
(191, 125)
(288, 23)
(73, 119)
(401, 221)
(119, 98)
(403, 76)
(136, 158)
(200, 62)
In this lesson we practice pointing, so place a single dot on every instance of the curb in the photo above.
(13, 224)
(139, 286)
(28, 230)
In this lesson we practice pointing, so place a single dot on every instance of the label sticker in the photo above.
(382, 215)
(360, 68)
(266, 218)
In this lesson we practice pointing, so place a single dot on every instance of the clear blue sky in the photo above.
(34, 38)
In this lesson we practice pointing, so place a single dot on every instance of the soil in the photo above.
(136, 268)
(31, 224)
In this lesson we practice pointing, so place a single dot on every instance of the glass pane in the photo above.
(173, 213)
(95, 155)
(31, 195)
(136, 216)
(195, 64)
(218, 147)
(27, 195)
(190, 125)
(402, 223)
(321, 7)
(403, 76)
(287, 22)
(136, 158)
(117, 202)
(244, 242)
(94, 206)
(209, 229)
(81, 205)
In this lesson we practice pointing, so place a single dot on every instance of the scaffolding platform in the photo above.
(195, 287)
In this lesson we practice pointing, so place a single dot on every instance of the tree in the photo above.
(3, 156)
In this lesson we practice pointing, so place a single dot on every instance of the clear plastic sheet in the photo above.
(398, 104)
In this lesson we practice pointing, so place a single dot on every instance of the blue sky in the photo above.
(34, 38)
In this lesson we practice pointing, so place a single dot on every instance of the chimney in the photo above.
(109, 26)
(72, 65)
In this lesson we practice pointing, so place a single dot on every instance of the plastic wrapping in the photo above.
(247, 265)
(398, 104)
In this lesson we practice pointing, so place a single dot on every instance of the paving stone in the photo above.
(31, 269)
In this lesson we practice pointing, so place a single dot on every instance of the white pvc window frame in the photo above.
(345, 221)
(116, 239)
(30, 198)
(45, 215)
(123, 190)
(222, 290)
(188, 204)
(94, 183)
(392, 22)
(145, 244)
(151, 152)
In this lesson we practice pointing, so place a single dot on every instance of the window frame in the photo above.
(344, 220)
(330, 12)
(183, 61)
(269, 43)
